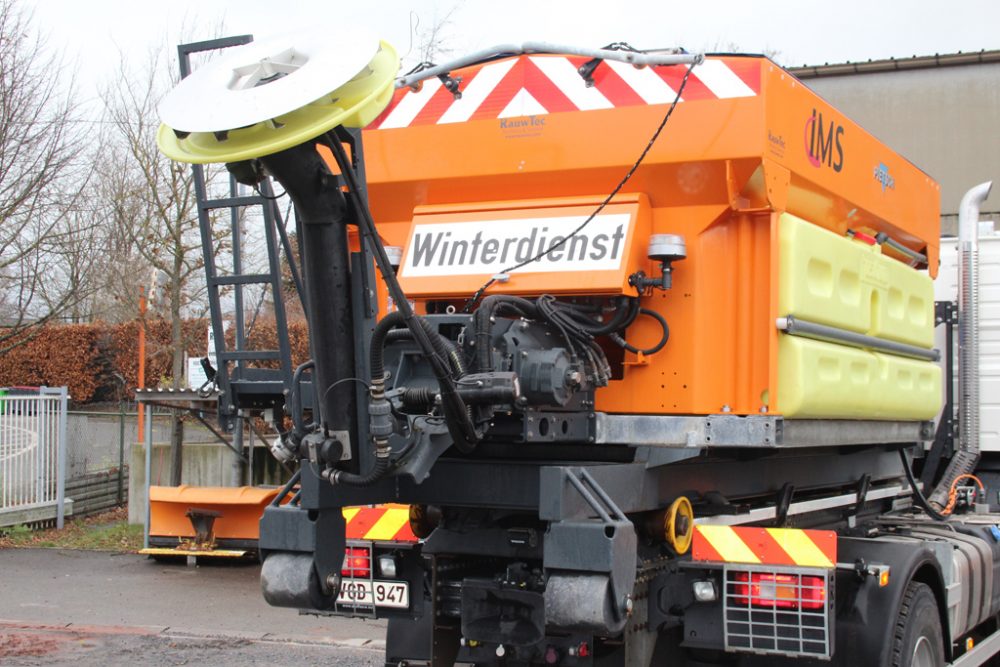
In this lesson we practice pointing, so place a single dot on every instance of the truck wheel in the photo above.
(918, 640)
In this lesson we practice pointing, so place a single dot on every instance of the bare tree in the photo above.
(41, 174)
(432, 36)
(152, 199)
(76, 262)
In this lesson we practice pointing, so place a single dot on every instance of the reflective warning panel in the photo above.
(380, 523)
(765, 546)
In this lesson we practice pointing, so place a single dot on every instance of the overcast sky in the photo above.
(92, 33)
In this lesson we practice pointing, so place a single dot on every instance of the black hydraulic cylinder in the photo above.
(324, 214)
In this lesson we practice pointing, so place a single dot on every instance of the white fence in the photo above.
(33, 457)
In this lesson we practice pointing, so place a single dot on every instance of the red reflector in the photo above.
(357, 563)
(779, 591)
(864, 238)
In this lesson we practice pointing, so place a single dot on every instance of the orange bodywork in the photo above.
(722, 172)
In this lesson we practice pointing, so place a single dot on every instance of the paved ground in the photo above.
(89, 608)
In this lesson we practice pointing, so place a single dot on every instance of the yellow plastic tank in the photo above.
(843, 283)
(821, 380)
(840, 282)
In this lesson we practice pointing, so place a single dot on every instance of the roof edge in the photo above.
(896, 64)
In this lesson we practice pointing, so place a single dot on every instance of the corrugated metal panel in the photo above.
(946, 289)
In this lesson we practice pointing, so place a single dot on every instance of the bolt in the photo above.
(501, 651)
(726, 408)
(763, 409)
(628, 605)
(524, 354)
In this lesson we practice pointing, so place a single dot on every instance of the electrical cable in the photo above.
(269, 197)
(619, 340)
(642, 156)
(342, 380)
(953, 491)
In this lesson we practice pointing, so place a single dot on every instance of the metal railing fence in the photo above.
(33, 456)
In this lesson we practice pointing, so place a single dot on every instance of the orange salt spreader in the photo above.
(778, 197)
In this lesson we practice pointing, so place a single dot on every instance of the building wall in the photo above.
(944, 119)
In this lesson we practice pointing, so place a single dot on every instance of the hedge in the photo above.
(86, 357)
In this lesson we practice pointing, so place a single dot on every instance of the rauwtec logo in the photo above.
(488, 246)
(823, 144)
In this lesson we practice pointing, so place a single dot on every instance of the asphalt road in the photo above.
(91, 608)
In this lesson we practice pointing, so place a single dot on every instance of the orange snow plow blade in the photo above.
(198, 520)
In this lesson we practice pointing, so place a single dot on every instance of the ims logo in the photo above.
(823, 142)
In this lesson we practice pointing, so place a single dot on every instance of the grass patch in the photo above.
(107, 531)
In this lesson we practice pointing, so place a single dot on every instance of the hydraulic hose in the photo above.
(627, 309)
(460, 423)
(917, 495)
(376, 473)
(455, 358)
(376, 356)
(379, 405)
(378, 408)
(443, 347)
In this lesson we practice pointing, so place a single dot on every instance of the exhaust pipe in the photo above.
(964, 459)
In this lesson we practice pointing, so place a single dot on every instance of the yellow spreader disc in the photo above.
(354, 104)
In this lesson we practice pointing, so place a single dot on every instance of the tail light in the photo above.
(779, 591)
(357, 563)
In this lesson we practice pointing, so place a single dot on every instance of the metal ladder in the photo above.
(240, 386)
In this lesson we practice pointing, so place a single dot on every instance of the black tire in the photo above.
(917, 640)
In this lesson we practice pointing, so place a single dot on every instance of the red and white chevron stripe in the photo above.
(543, 84)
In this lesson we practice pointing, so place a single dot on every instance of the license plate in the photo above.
(380, 593)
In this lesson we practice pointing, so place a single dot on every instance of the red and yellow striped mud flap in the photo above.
(765, 546)
(379, 523)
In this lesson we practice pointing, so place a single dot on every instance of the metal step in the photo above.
(242, 279)
(231, 202)
(249, 355)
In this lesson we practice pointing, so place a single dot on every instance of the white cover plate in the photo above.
(211, 99)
